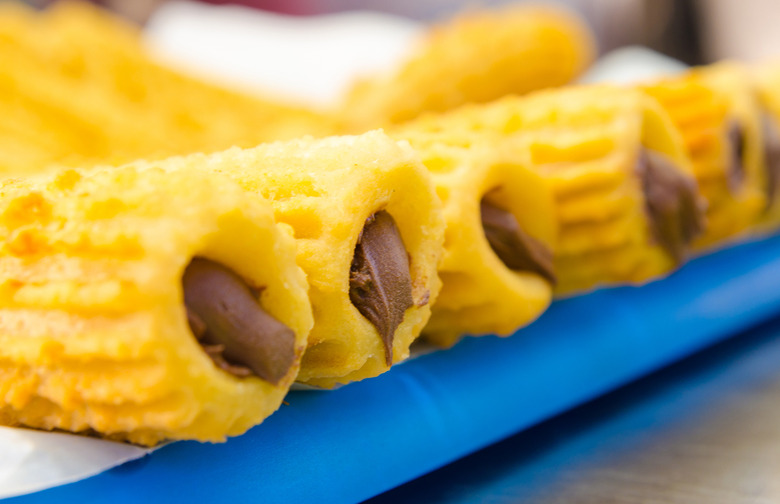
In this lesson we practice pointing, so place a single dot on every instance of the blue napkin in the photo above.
(358, 441)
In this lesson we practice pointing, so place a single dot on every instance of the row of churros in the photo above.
(175, 299)
(641, 176)
(180, 298)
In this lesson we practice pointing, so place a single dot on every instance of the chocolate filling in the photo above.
(234, 330)
(518, 250)
(671, 203)
(736, 173)
(771, 158)
(380, 285)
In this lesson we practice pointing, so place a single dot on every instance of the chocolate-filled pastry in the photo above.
(766, 83)
(475, 58)
(625, 204)
(369, 229)
(145, 305)
(497, 271)
(715, 108)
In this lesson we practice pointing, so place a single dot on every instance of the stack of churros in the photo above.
(147, 298)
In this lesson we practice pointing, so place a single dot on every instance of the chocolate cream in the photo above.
(231, 326)
(671, 203)
(380, 284)
(771, 158)
(736, 168)
(517, 250)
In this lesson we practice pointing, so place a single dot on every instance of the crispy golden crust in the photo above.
(93, 330)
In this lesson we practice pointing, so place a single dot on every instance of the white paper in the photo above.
(630, 65)
(310, 59)
(33, 460)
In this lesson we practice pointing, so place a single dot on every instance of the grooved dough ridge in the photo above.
(93, 329)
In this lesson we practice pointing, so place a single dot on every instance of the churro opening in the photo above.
(228, 321)
(518, 250)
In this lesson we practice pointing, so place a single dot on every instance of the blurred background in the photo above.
(694, 31)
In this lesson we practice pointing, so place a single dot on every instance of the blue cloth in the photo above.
(586, 455)
(365, 438)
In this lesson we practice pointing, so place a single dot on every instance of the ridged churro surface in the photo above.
(94, 335)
